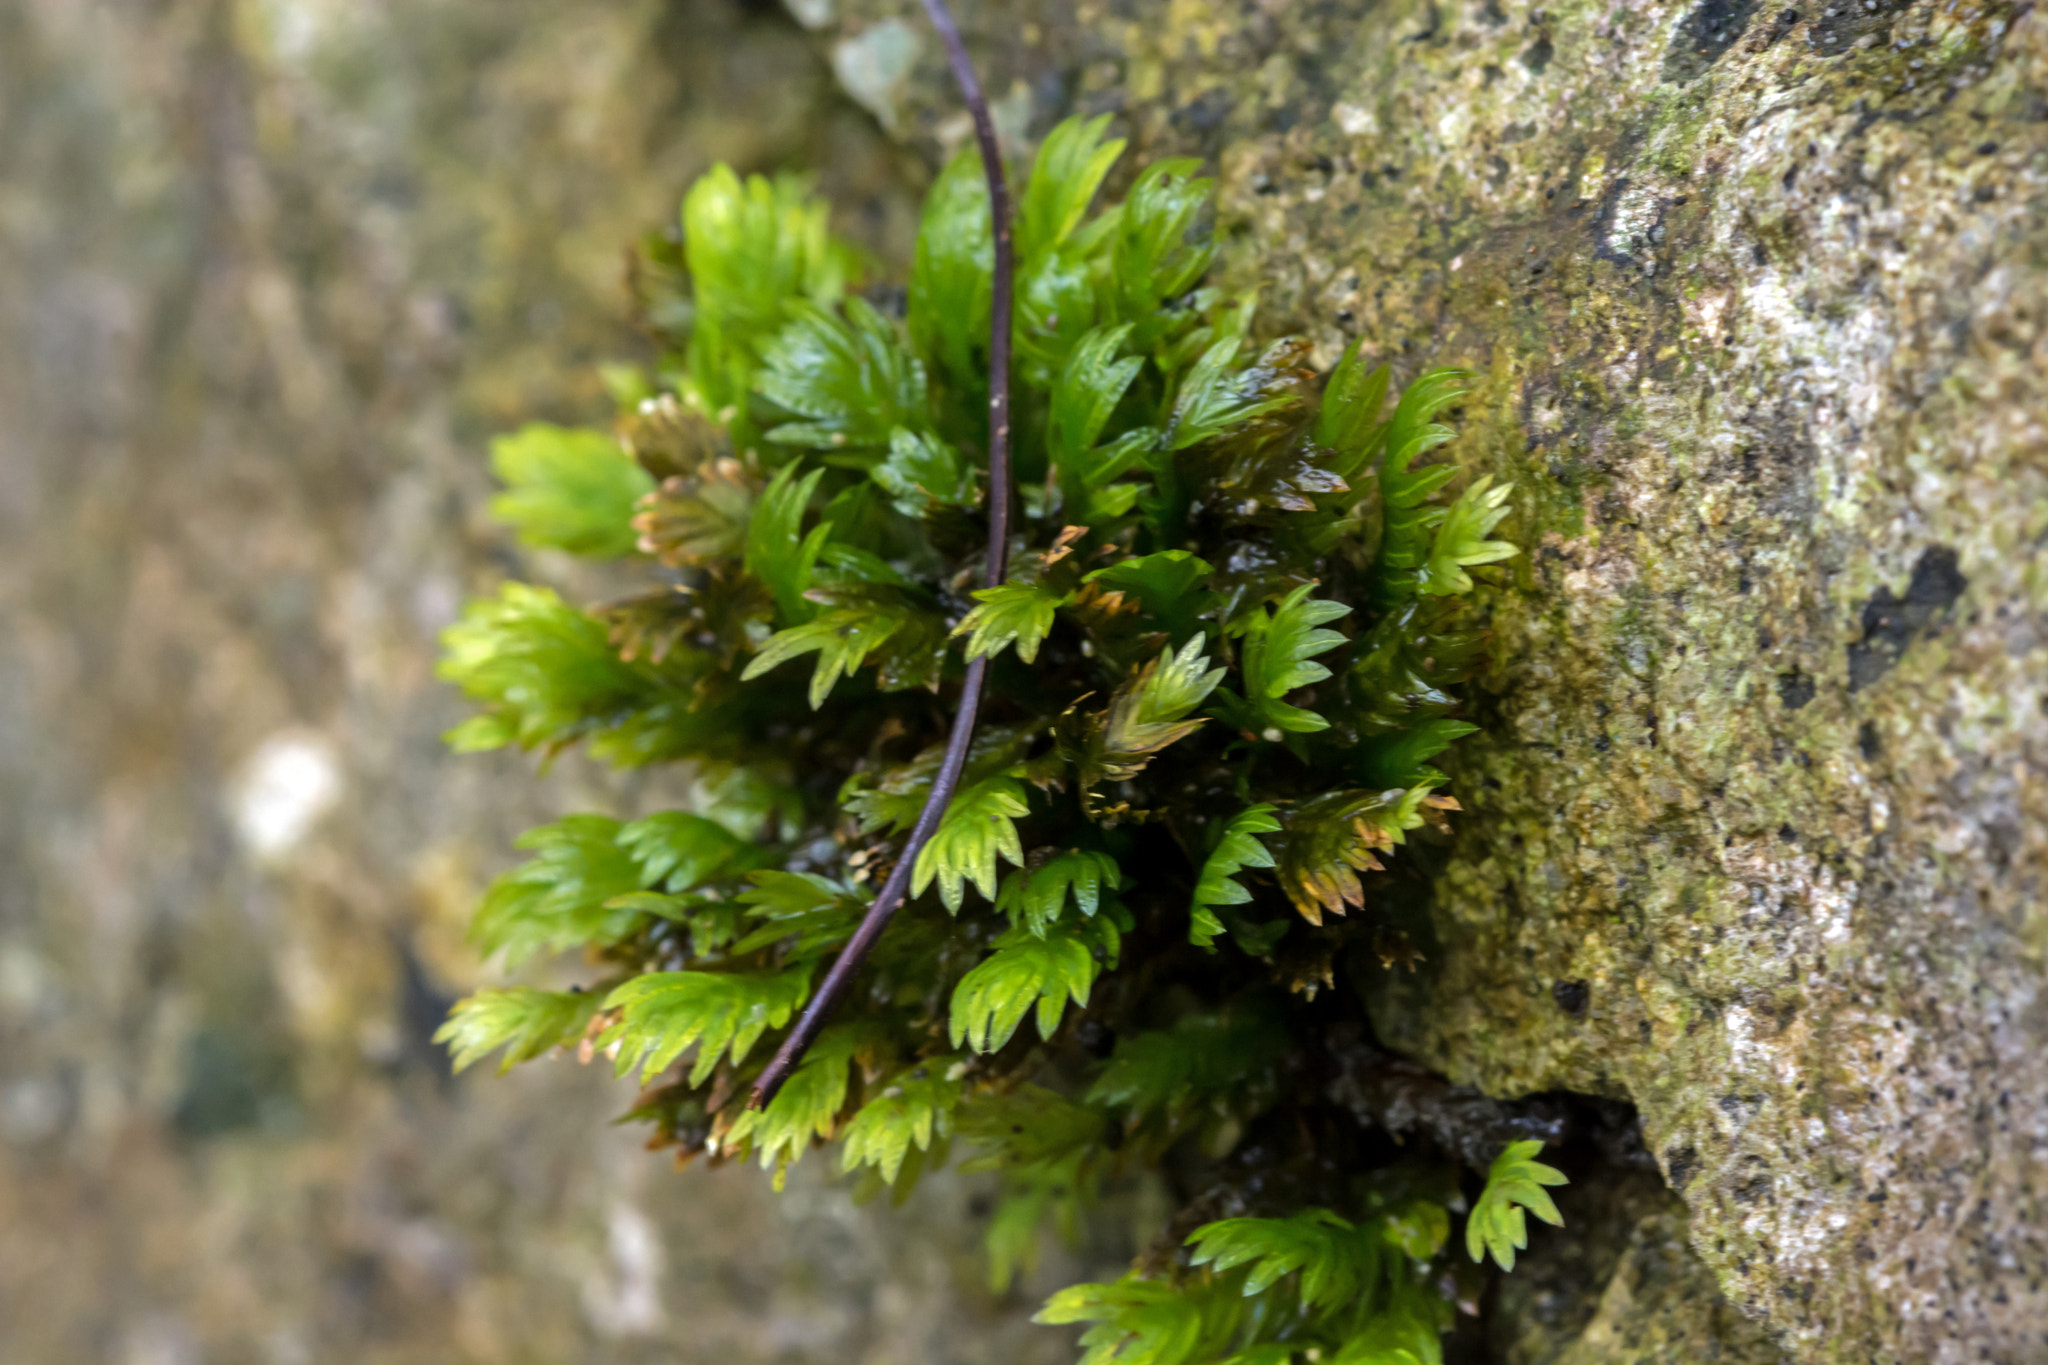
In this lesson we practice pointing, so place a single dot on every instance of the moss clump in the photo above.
(1222, 666)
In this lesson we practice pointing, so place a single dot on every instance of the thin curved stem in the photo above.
(961, 739)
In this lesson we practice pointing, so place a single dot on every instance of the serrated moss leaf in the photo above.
(805, 1110)
(978, 827)
(1461, 541)
(1514, 1182)
(1035, 897)
(1011, 613)
(524, 1021)
(568, 489)
(1279, 655)
(1237, 849)
(1028, 970)
(847, 375)
(662, 1015)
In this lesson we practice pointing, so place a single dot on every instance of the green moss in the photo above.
(1224, 666)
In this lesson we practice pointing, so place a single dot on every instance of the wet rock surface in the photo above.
(1757, 828)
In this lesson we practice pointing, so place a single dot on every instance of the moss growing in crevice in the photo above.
(1224, 663)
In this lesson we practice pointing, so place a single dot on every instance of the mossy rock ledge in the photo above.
(1758, 822)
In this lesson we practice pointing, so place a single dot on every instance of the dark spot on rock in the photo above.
(1757, 254)
(233, 1077)
(1755, 1190)
(1572, 997)
(1788, 835)
(1891, 623)
(1791, 174)
(1408, 1102)
(1877, 1197)
(1867, 741)
(1795, 689)
(1986, 148)
(1538, 55)
(1205, 113)
(1704, 36)
(1833, 33)
(1488, 74)
(1680, 1165)
(422, 1008)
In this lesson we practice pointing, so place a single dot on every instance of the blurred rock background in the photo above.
(271, 273)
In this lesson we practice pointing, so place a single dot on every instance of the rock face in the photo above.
(1759, 821)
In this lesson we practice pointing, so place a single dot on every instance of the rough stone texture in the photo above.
(1621, 1286)
(1758, 828)
(270, 275)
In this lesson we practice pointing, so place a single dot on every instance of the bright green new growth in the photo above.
(1237, 849)
(527, 1023)
(1029, 969)
(980, 825)
(1238, 611)
(1013, 613)
(1515, 1182)
(569, 490)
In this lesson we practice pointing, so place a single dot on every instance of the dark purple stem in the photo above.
(962, 737)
